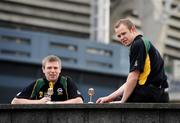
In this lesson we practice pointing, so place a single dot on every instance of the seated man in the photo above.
(146, 81)
(53, 89)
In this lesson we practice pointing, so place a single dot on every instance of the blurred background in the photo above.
(81, 33)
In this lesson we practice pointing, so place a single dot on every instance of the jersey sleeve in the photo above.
(72, 89)
(137, 56)
(26, 92)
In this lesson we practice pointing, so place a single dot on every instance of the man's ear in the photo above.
(133, 29)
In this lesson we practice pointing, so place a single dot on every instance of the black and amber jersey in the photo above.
(59, 92)
(145, 58)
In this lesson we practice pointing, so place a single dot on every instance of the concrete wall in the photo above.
(91, 113)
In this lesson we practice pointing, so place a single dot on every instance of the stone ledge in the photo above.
(94, 106)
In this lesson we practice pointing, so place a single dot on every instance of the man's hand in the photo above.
(116, 102)
(44, 100)
(103, 100)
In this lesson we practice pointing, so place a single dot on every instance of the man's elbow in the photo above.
(17, 101)
(14, 101)
(79, 100)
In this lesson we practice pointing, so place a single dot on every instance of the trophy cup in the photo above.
(50, 89)
(90, 93)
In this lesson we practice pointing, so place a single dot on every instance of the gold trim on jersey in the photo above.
(147, 69)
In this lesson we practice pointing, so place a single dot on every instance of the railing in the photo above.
(75, 53)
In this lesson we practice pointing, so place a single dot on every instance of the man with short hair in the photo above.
(146, 81)
(53, 89)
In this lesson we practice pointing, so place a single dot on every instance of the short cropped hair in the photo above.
(125, 22)
(51, 58)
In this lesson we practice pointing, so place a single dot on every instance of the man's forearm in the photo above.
(130, 85)
(24, 101)
(70, 101)
(29, 101)
(117, 93)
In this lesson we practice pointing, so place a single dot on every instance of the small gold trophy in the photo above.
(50, 89)
(90, 93)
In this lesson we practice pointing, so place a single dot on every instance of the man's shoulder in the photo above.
(138, 40)
(137, 44)
(65, 77)
(41, 80)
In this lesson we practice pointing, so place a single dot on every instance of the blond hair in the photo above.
(51, 58)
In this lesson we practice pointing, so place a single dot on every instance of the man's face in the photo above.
(52, 70)
(124, 35)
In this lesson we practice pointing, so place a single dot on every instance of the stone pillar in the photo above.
(100, 16)
(153, 21)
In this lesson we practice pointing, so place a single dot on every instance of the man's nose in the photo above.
(52, 69)
(121, 38)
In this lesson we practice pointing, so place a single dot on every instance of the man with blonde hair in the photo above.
(52, 89)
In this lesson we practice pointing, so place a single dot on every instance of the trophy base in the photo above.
(90, 102)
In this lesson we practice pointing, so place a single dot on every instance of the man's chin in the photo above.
(126, 45)
(52, 79)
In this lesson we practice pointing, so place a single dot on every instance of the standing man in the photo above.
(146, 81)
(53, 89)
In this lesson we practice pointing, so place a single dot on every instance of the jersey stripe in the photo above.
(147, 66)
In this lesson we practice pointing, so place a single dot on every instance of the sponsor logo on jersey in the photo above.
(60, 91)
